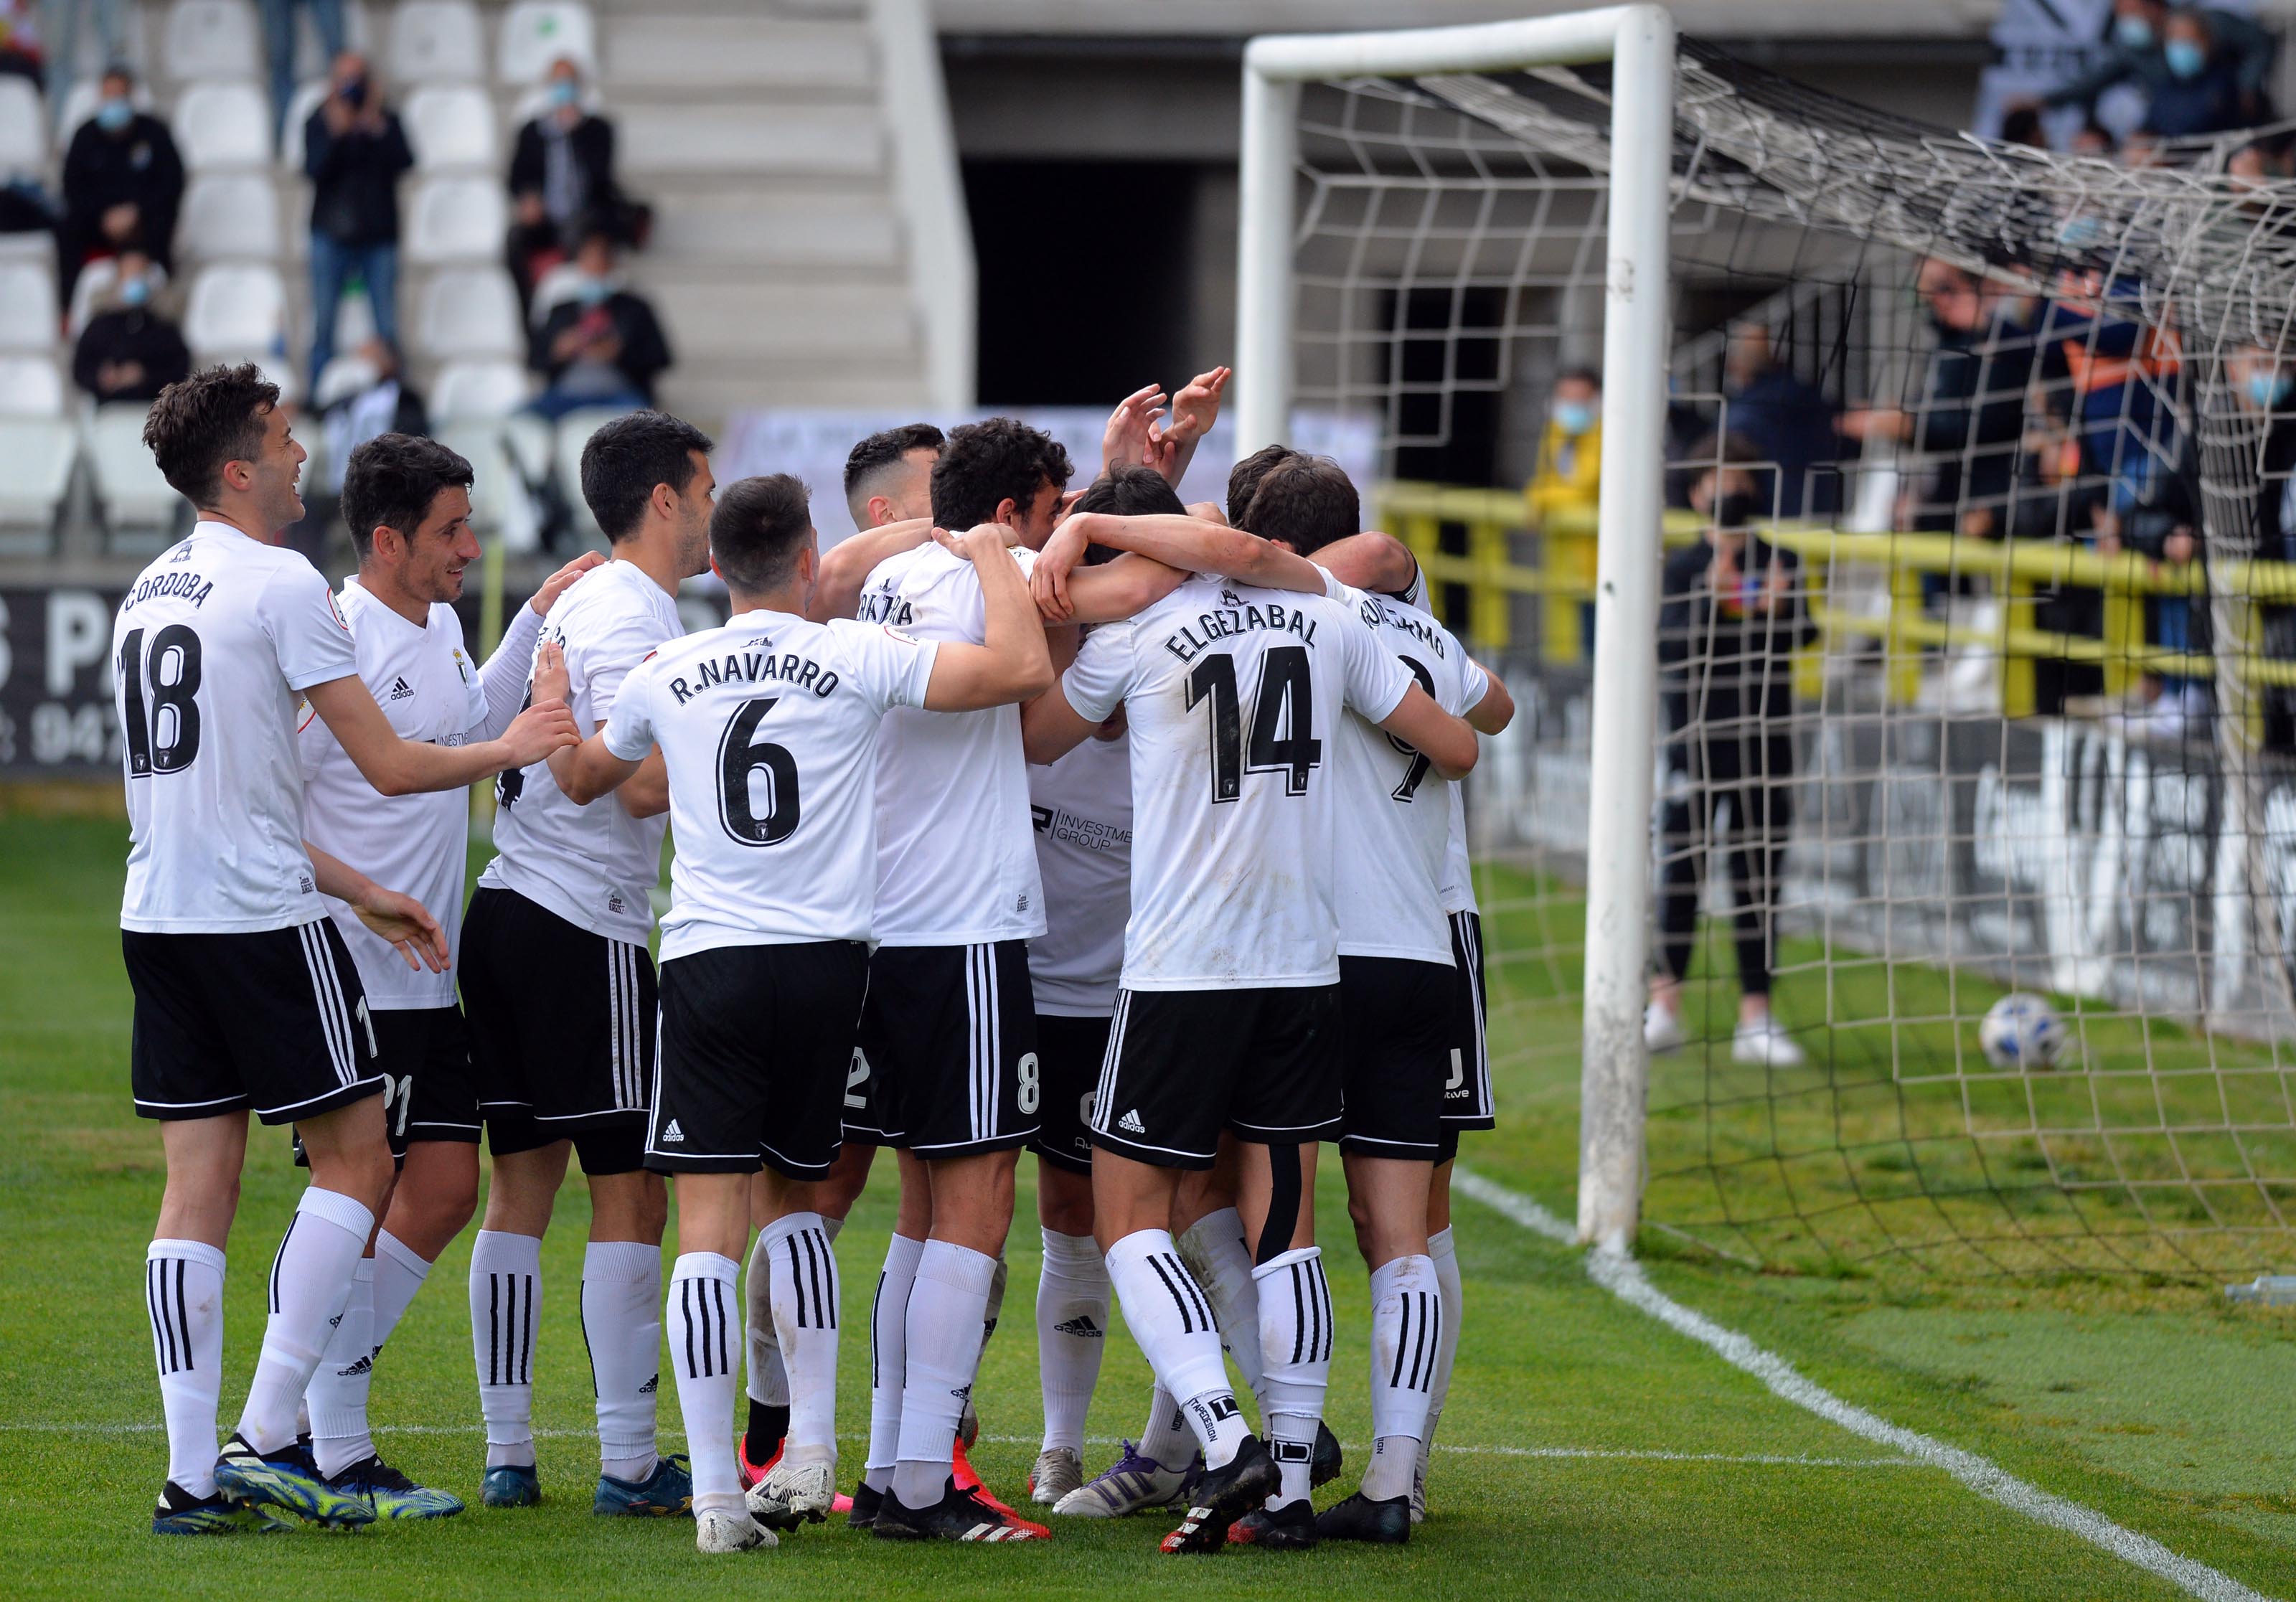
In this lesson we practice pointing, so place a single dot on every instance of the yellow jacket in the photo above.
(1569, 472)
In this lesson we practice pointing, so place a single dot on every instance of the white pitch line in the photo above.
(1623, 1278)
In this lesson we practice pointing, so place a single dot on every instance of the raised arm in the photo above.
(1013, 663)
(1172, 444)
(402, 767)
(1188, 544)
(1445, 740)
(847, 566)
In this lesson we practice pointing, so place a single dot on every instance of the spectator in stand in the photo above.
(1786, 420)
(2095, 141)
(1568, 474)
(279, 43)
(129, 350)
(561, 177)
(20, 43)
(2058, 497)
(354, 152)
(123, 185)
(60, 35)
(2154, 49)
(604, 348)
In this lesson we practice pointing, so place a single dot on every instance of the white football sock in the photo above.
(183, 1295)
(1166, 1437)
(705, 1341)
(1406, 1324)
(1171, 1318)
(801, 1281)
(1295, 1337)
(400, 1271)
(1445, 1261)
(1214, 1249)
(1071, 1333)
(505, 1294)
(888, 1363)
(621, 1324)
(945, 1305)
(338, 1391)
(310, 1281)
(993, 1308)
(768, 1377)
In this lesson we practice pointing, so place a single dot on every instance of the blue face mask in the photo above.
(113, 115)
(1574, 418)
(2132, 33)
(594, 291)
(2269, 389)
(133, 293)
(2185, 58)
(565, 92)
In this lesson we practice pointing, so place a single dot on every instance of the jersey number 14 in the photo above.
(1283, 721)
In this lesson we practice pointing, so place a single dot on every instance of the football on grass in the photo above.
(2022, 1032)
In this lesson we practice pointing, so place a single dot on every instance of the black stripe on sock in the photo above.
(155, 1303)
(1319, 1347)
(494, 1330)
(876, 1307)
(797, 1281)
(526, 1335)
(685, 1313)
(829, 1264)
(813, 1256)
(279, 1256)
(182, 1312)
(1187, 1320)
(1299, 1313)
(724, 1356)
(1434, 1342)
(1420, 1346)
(1402, 1334)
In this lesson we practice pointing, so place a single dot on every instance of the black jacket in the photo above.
(131, 334)
(355, 180)
(1719, 665)
(1971, 419)
(646, 351)
(592, 144)
(138, 164)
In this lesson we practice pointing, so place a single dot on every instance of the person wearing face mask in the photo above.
(561, 174)
(2197, 67)
(123, 185)
(1730, 617)
(129, 351)
(604, 348)
(1567, 477)
(354, 152)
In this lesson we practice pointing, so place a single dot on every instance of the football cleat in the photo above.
(794, 1493)
(751, 1474)
(958, 1516)
(1058, 1472)
(861, 1507)
(668, 1492)
(960, 1471)
(391, 1494)
(1291, 1528)
(1132, 1483)
(510, 1485)
(1224, 1495)
(1386, 1523)
(287, 1482)
(180, 1513)
(721, 1530)
(1325, 1467)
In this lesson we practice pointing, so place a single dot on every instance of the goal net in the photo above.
(1983, 688)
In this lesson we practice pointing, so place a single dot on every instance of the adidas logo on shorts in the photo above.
(1081, 1326)
(673, 1133)
(399, 690)
(1130, 1124)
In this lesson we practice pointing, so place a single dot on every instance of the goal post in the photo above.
(1638, 44)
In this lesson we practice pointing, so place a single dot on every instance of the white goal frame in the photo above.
(1638, 41)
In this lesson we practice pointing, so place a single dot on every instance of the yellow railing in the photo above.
(1562, 567)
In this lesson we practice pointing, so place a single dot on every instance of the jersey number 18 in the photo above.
(162, 715)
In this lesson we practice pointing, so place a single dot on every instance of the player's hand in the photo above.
(1124, 442)
(407, 924)
(556, 584)
(1048, 578)
(545, 727)
(552, 681)
(1194, 411)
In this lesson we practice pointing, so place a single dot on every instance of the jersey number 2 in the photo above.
(1283, 721)
(173, 715)
(741, 755)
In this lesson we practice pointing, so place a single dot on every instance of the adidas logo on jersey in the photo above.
(1130, 1124)
(673, 1133)
(400, 690)
(1081, 1326)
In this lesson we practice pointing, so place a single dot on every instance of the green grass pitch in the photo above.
(1587, 1452)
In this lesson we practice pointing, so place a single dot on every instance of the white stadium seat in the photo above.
(211, 39)
(437, 41)
(477, 391)
(535, 33)
(127, 482)
(307, 100)
(229, 214)
(225, 124)
(95, 280)
(27, 306)
(238, 308)
(559, 285)
(470, 312)
(37, 457)
(456, 219)
(574, 431)
(450, 126)
(23, 129)
(500, 506)
(81, 99)
(30, 387)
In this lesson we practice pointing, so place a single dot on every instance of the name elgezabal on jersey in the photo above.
(1236, 619)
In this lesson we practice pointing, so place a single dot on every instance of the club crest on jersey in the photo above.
(1190, 642)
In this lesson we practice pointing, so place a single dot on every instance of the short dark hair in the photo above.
(627, 457)
(1717, 449)
(200, 422)
(1133, 491)
(1307, 502)
(887, 446)
(756, 530)
(390, 482)
(1583, 374)
(1244, 479)
(984, 464)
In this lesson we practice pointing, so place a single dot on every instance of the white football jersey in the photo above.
(210, 653)
(955, 864)
(429, 689)
(594, 866)
(1234, 694)
(1082, 806)
(770, 728)
(1395, 810)
(1458, 874)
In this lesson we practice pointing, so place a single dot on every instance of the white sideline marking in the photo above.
(1623, 1278)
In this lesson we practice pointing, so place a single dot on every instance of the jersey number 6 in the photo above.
(741, 755)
